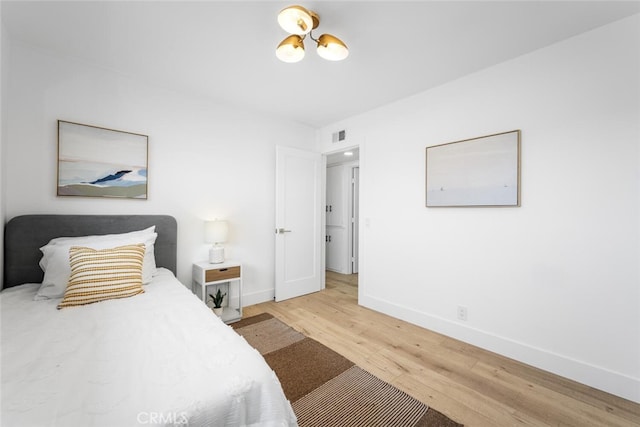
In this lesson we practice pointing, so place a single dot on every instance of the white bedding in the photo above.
(159, 358)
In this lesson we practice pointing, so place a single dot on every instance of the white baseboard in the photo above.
(594, 376)
(258, 297)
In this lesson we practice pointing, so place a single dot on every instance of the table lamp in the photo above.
(216, 232)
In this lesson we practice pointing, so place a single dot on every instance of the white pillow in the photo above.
(79, 240)
(55, 260)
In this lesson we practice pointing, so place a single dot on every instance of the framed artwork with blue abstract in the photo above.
(99, 162)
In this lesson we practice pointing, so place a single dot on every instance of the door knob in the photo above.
(282, 231)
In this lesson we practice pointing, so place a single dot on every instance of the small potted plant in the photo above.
(217, 302)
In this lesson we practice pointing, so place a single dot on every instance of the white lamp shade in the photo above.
(216, 231)
(332, 48)
(295, 20)
(290, 49)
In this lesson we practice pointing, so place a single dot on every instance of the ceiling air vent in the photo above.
(339, 136)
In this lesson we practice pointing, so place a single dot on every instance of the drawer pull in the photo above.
(223, 269)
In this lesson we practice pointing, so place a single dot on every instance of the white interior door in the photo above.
(299, 233)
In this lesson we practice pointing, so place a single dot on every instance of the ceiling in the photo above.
(225, 50)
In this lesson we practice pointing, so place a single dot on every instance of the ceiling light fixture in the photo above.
(298, 22)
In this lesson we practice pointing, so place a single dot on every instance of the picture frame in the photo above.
(99, 162)
(476, 172)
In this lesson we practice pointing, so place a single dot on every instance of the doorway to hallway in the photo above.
(346, 282)
(342, 211)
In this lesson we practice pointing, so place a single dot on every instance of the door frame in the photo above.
(354, 218)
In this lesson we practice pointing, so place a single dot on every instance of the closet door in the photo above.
(336, 195)
(337, 209)
(336, 250)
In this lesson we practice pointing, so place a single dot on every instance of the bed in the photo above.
(159, 357)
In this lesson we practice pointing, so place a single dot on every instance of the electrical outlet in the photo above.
(462, 313)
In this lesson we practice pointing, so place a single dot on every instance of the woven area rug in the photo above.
(327, 389)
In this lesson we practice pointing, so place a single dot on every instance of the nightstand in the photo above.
(226, 276)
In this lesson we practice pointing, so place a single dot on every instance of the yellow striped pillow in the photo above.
(98, 275)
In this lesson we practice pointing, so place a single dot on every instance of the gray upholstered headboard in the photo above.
(24, 235)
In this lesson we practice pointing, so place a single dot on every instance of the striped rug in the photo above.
(327, 389)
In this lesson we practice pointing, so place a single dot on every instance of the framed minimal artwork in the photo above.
(482, 171)
(99, 162)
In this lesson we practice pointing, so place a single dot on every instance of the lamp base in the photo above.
(216, 255)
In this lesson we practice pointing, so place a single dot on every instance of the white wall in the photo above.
(205, 160)
(4, 49)
(554, 283)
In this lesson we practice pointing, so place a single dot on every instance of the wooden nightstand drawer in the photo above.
(221, 274)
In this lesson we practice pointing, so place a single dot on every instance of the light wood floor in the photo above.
(472, 386)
